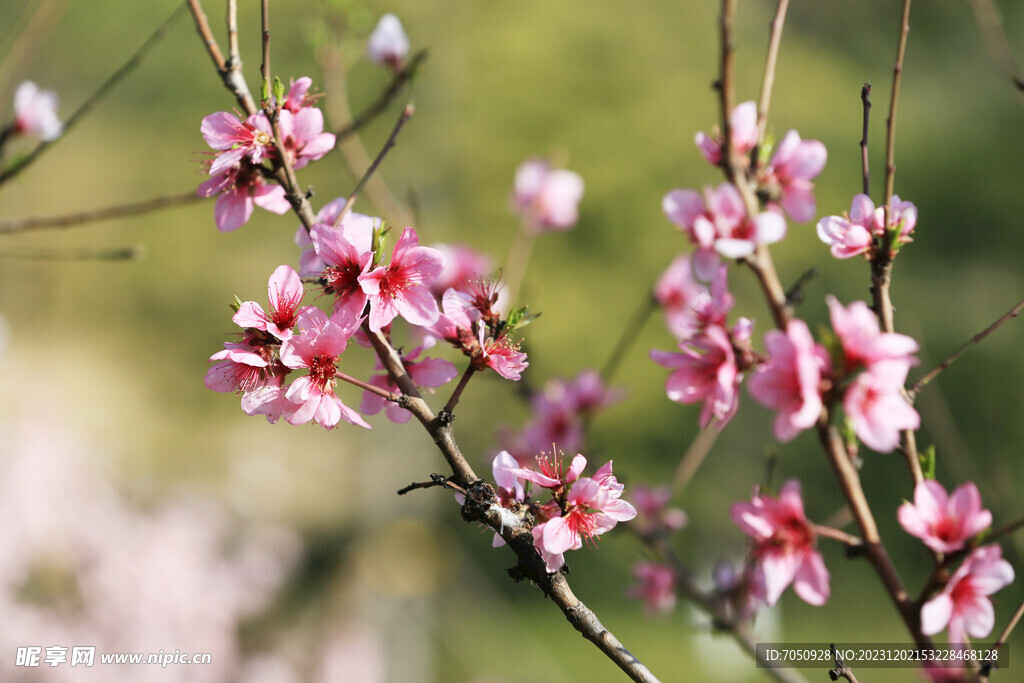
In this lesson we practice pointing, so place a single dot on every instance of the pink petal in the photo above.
(683, 206)
(935, 614)
(232, 210)
(779, 570)
(559, 538)
(250, 314)
(811, 580)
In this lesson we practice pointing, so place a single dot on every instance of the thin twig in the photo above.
(849, 540)
(986, 669)
(774, 41)
(630, 333)
(694, 456)
(265, 65)
(407, 113)
(923, 382)
(402, 76)
(383, 393)
(107, 86)
(865, 98)
(989, 23)
(890, 134)
(85, 254)
(351, 150)
(457, 394)
(12, 225)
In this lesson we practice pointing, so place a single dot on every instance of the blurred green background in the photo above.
(114, 353)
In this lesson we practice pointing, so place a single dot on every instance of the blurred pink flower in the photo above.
(863, 342)
(462, 264)
(35, 112)
(963, 605)
(794, 165)
(388, 45)
(547, 198)
(704, 371)
(403, 287)
(789, 381)
(942, 521)
(656, 586)
(690, 306)
(876, 407)
(296, 99)
(653, 512)
(784, 544)
(717, 223)
(743, 125)
(285, 292)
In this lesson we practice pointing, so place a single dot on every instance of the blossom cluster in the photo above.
(239, 176)
(367, 296)
(579, 508)
(864, 369)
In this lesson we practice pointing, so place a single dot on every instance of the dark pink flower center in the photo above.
(393, 283)
(322, 371)
(342, 280)
(791, 534)
(582, 524)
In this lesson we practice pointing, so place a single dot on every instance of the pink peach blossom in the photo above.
(241, 187)
(317, 349)
(285, 292)
(717, 224)
(963, 605)
(303, 136)
(547, 198)
(788, 382)
(388, 44)
(863, 343)
(784, 544)
(690, 306)
(591, 510)
(403, 287)
(35, 112)
(296, 98)
(794, 165)
(855, 232)
(270, 400)
(743, 131)
(704, 371)
(238, 367)
(462, 264)
(945, 523)
(343, 255)
(876, 407)
(251, 139)
(654, 515)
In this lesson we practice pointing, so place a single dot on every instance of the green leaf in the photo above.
(927, 459)
(278, 91)
(236, 304)
(520, 317)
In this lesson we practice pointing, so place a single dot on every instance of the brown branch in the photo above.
(774, 41)
(923, 382)
(865, 98)
(234, 54)
(761, 261)
(230, 73)
(383, 393)
(986, 669)
(874, 549)
(401, 77)
(12, 225)
(694, 456)
(133, 62)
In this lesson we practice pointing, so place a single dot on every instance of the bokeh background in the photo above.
(142, 511)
